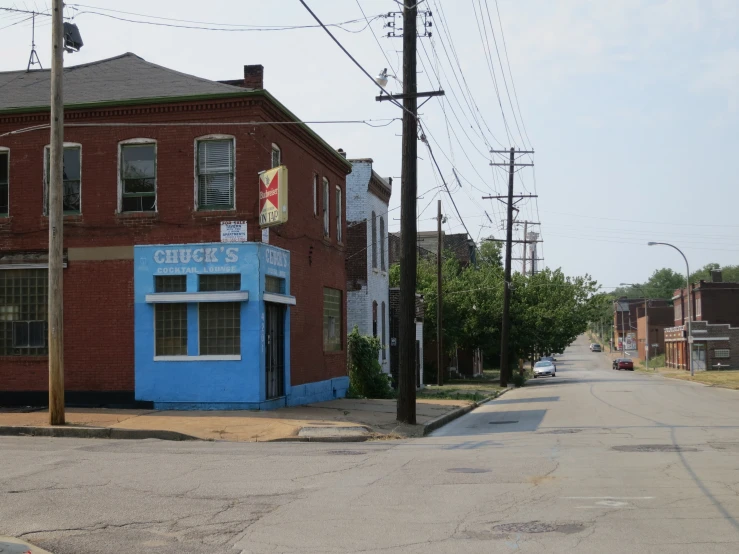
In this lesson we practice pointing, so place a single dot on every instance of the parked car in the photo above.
(595, 348)
(623, 363)
(544, 368)
(549, 359)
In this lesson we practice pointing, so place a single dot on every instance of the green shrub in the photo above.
(518, 379)
(366, 379)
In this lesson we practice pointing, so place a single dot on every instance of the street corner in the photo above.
(334, 434)
(10, 545)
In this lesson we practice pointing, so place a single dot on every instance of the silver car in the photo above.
(544, 368)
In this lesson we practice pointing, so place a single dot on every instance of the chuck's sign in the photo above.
(273, 197)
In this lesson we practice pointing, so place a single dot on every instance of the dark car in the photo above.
(623, 363)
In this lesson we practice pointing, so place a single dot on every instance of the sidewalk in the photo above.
(338, 420)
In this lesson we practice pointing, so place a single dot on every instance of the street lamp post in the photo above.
(689, 361)
(646, 323)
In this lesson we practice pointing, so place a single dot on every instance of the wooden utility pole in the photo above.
(506, 327)
(525, 243)
(56, 219)
(406, 410)
(439, 304)
(505, 369)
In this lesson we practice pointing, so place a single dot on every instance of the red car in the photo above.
(623, 363)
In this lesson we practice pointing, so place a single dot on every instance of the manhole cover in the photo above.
(654, 448)
(501, 422)
(561, 431)
(346, 452)
(539, 527)
(467, 470)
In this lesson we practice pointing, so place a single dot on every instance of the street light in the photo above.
(646, 317)
(689, 361)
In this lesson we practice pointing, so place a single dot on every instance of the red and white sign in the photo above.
(273, 197)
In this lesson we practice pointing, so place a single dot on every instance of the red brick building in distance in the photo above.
(140, 142)
(714, 315)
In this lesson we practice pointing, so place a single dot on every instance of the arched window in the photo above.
(374, 240)
(276, 155)
(382, 243)
(374, 318)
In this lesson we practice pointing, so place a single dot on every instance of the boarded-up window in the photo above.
(332, 324)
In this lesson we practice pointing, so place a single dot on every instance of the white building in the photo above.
(367, 199)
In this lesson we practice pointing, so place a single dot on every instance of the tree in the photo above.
(663, 283)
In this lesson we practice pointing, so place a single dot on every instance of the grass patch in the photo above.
(728, 379)
(657, 362)
(473, 390)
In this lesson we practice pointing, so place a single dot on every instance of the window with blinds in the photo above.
(215, 174)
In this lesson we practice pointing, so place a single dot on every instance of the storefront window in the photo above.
(171, 319)
(220, 322)
(23, 309)
(332, 320)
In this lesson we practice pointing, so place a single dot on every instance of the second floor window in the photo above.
(374, 240)
(339, 229)
(71, 179)
(276, 156)
(326, 194)
(4, 171)
(315, 194)
(215, 174)
(138, 177)
(382, 243)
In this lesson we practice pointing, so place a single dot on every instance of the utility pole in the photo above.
(406, 409)
(56, 231)
(439, 304)
(505, 370)
(525, 244)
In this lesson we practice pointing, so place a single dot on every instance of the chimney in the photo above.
(717, 276)
(342, 152)
(254, 76)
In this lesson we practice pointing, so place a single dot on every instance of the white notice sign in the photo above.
(265, 235)
(233, 231)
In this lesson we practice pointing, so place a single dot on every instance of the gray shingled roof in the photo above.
(125, 77)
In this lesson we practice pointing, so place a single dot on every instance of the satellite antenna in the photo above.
(33, 45)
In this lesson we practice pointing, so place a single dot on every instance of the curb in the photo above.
(440, 421)
(13, 545)
(94, 433)
(322, 439)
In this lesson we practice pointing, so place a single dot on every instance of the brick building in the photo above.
(367, 200)
(157, 157)
(714, 311)
(659, 317)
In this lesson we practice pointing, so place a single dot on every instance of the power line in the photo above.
(513, 84)
(374, 35)
(352, 58)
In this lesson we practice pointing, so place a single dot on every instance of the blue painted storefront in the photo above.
(216, 382)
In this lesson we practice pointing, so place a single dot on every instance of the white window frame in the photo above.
(373, 227)
(315, 194)
(382, 244)
(204, 138)
(5, 149)
(326, 207)
(278, 150)
(140, 141)
(47, 160)
(339, 215)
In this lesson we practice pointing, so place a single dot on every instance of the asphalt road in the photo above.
(591, 461)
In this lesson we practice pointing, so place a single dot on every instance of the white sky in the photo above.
(632, 108)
